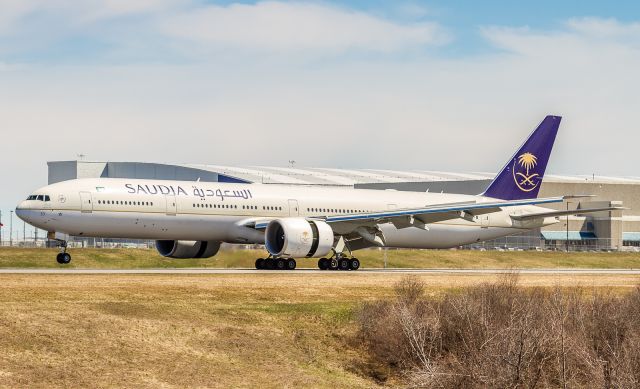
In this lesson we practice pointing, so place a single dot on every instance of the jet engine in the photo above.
(187, 248)
(296, 237)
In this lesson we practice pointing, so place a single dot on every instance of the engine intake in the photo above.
(297, 237)
(187, 248)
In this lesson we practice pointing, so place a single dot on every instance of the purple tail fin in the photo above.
(522, 176)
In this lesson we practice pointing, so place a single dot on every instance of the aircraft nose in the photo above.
(21, 210)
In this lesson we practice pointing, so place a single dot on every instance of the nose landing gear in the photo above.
(63, 257)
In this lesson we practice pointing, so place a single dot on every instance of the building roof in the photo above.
(290, 175)
(333, 176)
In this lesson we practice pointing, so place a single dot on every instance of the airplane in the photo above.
(190, 219)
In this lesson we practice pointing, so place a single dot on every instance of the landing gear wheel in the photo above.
(290, 264)
(354, 263)
(64, 258)
(343, 264)
(280, 264)
(333, 264)
(323, 264)
(260, 263)
(269, 264)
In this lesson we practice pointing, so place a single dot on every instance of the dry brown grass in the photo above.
(502, 335)
(374, 258)
(264, 330)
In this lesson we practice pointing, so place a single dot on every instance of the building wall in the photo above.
(69, 170)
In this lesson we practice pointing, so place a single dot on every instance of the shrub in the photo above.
(502, 335)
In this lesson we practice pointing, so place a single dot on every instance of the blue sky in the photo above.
(461, 20)
(413, 85)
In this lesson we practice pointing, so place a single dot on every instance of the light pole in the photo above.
(11, 228)
(0, 228)
(566, 242)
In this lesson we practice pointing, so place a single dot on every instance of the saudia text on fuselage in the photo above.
(177, 190)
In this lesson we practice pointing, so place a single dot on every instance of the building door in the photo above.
(85, 202)
(172, 205)
(293, 208)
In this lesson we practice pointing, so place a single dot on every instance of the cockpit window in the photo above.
(40, 198)
(47, 198)
(32, 197)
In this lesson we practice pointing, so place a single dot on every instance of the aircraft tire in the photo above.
(259, 263)
(65, 257)
(59, 258)
(269, 264)
(290, 264)
(280, 264)
(322, 264)
(343, 264)
(354, 264)
(333, 264)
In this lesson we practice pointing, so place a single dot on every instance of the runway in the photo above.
(309, 271)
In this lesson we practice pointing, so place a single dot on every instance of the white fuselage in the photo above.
(183, 210)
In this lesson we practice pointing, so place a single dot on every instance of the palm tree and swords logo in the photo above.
(524, 177)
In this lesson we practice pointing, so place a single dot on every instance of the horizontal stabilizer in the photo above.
(564, 213)
(578, 196)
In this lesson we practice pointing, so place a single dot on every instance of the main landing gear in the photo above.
(275, 263)
(63, 257)
(339, 262)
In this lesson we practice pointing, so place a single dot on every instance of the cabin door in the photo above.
(85, 202)
(293, 208)
(172, 206)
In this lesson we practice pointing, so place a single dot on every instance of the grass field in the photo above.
(136, 258)
(264, 330)
(228, 330)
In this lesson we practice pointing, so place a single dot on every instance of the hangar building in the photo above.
(598, 231)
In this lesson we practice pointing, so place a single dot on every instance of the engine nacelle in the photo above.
(187, 248)
(297, 237)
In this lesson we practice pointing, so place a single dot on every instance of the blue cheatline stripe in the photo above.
(435, 209)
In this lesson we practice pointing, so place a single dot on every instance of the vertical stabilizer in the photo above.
(522, 176)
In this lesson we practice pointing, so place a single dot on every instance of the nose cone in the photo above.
(21, 210)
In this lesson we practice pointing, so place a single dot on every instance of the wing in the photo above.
(419, 217)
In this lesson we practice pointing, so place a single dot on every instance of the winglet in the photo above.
(521, 177)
